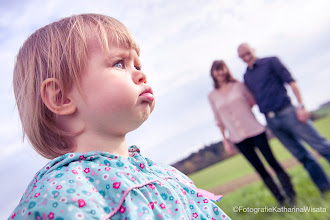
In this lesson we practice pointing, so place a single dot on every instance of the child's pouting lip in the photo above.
(147, 95)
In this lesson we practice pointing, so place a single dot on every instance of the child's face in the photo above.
(116, 98)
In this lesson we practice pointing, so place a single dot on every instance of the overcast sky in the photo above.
(179, 41)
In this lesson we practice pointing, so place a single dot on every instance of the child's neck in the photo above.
(96, 142)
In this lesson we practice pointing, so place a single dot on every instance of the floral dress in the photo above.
(100, 185)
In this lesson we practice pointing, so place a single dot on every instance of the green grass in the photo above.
(256, 195)
(323, 111)
(323, 126)
(222, 172)
(233, 168)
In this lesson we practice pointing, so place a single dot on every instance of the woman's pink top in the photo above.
(233, 111)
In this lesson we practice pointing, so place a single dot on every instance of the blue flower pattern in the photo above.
(91, 185)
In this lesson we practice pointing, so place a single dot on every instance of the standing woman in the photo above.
(231, 103)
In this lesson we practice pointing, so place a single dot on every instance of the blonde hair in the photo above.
(59, 50)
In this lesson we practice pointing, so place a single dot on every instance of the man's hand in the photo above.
(302, 114)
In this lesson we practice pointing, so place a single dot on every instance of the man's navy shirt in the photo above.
(266, 81)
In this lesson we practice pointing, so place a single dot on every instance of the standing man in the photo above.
(266, 77)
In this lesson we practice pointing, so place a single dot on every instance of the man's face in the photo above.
(246, 53)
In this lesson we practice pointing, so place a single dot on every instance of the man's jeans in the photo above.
(290, 131)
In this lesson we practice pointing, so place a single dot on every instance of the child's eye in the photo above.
(119, 64)
(138, 67)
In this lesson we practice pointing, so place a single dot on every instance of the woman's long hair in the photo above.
(220, 65)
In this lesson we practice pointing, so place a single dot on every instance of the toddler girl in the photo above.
(79, 89)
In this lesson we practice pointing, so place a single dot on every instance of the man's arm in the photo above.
(302, 114)
(296, 92)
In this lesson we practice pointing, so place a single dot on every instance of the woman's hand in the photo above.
(229, 148)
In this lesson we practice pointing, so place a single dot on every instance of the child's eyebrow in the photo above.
(120, 54)
(123, 54)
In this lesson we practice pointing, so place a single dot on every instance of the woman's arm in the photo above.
(229, 148)
(226, 143)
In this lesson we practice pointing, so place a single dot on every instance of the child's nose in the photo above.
(139, 77)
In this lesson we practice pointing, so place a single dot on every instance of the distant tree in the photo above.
(188, 167)
(197, 160)
(210, 158)
(327, 104)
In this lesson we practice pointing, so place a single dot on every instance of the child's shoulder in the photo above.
(68, 183)
(170, 171)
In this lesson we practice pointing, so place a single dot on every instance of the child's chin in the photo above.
(145, 116)
(138, 123)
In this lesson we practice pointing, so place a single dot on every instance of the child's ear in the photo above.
(52, 96)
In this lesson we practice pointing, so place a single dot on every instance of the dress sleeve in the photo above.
(66, 195)
(215, 112)
(248, 95)
(62, 206)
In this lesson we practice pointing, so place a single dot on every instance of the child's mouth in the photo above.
(147, 95)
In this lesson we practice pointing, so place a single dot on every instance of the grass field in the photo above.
(257, 195)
